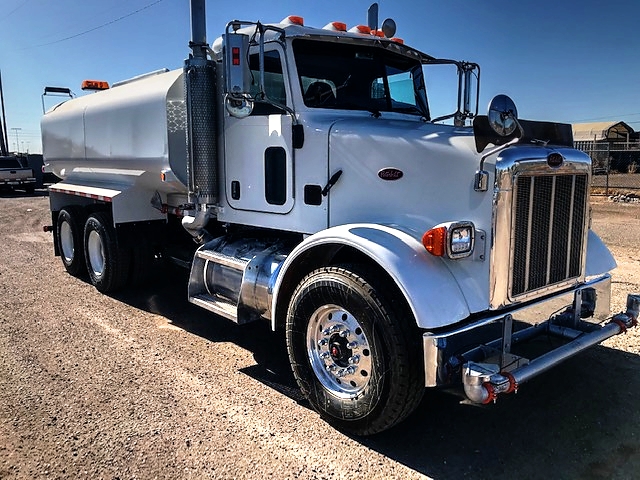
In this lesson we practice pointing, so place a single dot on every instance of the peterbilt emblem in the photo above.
(554, 160)
(390, 174)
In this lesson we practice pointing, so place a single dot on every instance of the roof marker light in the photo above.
(398, 40)
(94, 85)
(336, 26)
(377, 33)
(293, 20)
(363, 29)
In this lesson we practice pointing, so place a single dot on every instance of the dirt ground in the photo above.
(145, 385)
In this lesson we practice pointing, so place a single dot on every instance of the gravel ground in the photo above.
(145, 385)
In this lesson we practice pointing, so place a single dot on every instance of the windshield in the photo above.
(359, 77)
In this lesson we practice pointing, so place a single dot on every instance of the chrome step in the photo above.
(222, 259)
(216, 305)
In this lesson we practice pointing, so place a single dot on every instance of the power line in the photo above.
(100, 26)
(15, 9)
(608, 117)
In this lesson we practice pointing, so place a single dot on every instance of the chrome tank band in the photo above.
(440, 347)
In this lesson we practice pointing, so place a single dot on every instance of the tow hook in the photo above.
(629, 318)
(484, 381)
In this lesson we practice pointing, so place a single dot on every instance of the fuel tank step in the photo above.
(216, 305)
(222, 259)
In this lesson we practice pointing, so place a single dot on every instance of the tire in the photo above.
(107, 261)
(69, 235)
(30, 190)
(356, 355)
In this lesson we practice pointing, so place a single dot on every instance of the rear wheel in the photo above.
(107, 261)
(69, 235)
(355, 353)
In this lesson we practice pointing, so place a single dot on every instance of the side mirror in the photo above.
(238, 100)
(239, 107)
(238, 75)
(503, 115)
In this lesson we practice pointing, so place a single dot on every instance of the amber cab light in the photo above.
(293, 20)
(336, 26)
(435, 241)
(94, 85)
(361, 29)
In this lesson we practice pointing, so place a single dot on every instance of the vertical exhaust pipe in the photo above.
(202, 149)
(200, 94)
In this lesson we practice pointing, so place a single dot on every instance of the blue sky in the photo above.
(570, 61)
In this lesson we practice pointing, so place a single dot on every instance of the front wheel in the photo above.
(355, 353)
(107, 260)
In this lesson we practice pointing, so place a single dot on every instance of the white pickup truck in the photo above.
(14, 176)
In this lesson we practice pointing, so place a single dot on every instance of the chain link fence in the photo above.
(616, 166)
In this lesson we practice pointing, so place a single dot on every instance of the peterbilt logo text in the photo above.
(390, 174)
(554, 160)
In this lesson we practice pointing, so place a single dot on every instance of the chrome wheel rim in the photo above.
(66, 242)
(339, 351)
(95, 253)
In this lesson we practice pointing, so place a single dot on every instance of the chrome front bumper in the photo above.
(447, 352)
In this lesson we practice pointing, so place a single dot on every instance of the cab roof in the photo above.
(303, 31)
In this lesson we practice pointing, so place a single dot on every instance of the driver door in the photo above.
(258, 148)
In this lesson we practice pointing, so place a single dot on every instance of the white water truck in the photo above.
(299, 174)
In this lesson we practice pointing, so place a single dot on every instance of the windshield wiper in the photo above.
(375, 113)
(411, 109)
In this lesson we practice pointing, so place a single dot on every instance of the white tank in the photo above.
(133, 133)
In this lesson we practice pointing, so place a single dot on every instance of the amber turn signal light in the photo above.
(434, 241)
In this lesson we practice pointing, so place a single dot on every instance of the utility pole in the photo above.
(17, 129)
(4, 139)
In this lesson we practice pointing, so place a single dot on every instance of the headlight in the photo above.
(453, 239)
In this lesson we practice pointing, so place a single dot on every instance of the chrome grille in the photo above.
(549, 218)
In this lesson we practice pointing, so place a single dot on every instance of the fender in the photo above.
(432, 293)
(599, 258)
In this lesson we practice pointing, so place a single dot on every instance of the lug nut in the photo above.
(351, 370)
(354, 360)
(332, 329)
(352, 345)
(331, 368)
(325, 355)
(342, 372)
(322, 342)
